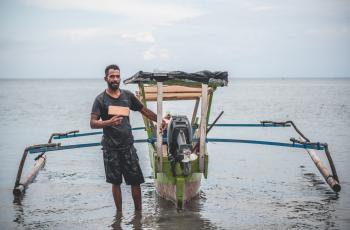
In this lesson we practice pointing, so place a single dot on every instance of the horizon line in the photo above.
(239, 78)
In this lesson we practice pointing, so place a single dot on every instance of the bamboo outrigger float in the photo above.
(178, 155)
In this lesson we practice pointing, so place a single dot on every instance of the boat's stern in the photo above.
(178, 188)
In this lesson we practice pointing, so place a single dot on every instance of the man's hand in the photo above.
(115, 120)
(96, 123)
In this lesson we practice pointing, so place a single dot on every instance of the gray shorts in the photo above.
(122, 162)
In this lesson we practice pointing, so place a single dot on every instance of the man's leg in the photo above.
(136, 195)
(117, 195)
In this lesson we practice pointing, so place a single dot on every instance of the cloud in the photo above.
(156, 53)
(92, 33)
(145, 37)
(262, 8)
(82, 34)
(146, 11)
(258, 7)
(333, 31)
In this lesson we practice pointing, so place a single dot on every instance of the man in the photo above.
(119, 154)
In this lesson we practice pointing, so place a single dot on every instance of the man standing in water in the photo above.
(119, 153)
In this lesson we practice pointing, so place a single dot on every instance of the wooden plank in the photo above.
(173, 89)
(159, 122)
(118, 110)
(210, 100)
(173, 93)
(203, 127)
(173, 96)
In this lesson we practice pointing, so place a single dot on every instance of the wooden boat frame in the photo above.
(179, 188)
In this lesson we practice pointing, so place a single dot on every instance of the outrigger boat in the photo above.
(178, 155)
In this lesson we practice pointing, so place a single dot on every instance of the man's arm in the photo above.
(149, 114)
(96, 123)
(152, 116)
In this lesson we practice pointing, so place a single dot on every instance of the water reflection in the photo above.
(134, 223)
(159, 213)
(320, 185)
(19, 212)
(309, 203)
(18, 208)
(316, 208)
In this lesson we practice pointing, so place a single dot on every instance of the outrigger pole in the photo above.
(304, 143)
(331, 179)
(20, 186)
(57, 146)
(40, 162)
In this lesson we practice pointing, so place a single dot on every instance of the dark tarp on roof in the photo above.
(217, 78)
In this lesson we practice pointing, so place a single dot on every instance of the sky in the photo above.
(248, 38)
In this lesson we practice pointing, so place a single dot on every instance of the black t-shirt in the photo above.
(116, 136)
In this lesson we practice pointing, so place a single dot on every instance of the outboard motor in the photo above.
(179, 143)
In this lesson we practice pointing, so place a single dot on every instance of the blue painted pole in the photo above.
(316, 146)
(56, 148)
(143, 128)
(291, 145)
(76, 135)
(251, 125)
(87, 134)
(64, 147)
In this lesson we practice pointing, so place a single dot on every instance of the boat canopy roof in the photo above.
(214, 79)
(173, 92)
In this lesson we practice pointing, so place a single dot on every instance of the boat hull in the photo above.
(178, 189)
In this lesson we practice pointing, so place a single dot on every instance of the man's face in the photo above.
(113, 79)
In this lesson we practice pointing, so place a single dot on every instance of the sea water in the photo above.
(248, 186)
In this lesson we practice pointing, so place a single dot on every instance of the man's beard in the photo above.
(113, 86)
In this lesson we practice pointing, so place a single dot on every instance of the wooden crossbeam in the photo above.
(173, 92)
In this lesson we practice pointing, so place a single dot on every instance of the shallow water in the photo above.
(248, 186)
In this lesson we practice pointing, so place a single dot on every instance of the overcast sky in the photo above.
(247, 38)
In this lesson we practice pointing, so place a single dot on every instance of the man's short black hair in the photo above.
(113, 66)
